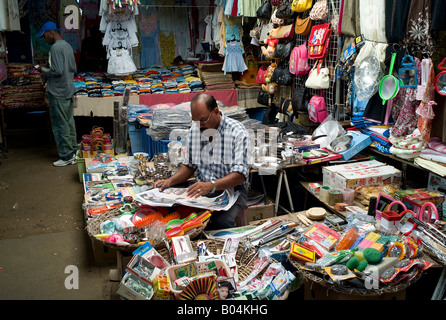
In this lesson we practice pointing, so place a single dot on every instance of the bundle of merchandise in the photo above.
(96, 142)
(198, 272)
(358, 257)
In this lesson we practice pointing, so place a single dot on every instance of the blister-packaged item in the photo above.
(271, 272)
(261, 263)
(348, 239)
(335, 257)
(148, 252)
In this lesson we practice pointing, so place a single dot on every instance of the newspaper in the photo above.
(221, 201)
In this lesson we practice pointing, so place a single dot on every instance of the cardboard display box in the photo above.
(259, 212)
(359, 143)
(364, 173)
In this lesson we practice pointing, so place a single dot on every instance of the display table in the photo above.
(103, 107)
(99, 107)
(228, 97)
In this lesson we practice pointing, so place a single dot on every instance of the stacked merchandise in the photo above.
(107, 88)
(213, 78)
(24, 87)
(118, 87)
(164, 120)
(80, 87)
(93, 85)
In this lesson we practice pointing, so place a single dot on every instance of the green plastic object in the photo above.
(373, 255)
(389, 85)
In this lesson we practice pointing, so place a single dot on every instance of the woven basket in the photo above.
(94, 228)
(351, 290)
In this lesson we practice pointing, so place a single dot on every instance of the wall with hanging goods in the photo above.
(370, 63)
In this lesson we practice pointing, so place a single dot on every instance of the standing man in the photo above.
(218, 155)
(60, 90)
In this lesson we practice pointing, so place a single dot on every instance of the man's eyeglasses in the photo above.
(206, 121)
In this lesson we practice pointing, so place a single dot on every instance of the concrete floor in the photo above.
(42, 231)
(42, 227)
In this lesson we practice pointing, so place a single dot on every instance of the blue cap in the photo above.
(49, 25)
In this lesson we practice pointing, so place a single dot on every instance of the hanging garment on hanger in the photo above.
(150, 38)
(404, 109)
(234, 61)
(248, 8)
(438, 22)
(372, 22)
(397, 12)
(418, 26)
(120, 62)
(350, 22)
(425, 109)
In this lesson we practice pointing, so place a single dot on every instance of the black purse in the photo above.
(265, 10)
(300, 100)
(282, 74)
(284, 10)
(263, 98)
(283, 50)
(285, 104)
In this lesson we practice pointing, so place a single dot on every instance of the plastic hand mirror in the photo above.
(408, 74)
(440, 80)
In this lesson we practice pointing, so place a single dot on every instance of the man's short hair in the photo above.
(208, 99)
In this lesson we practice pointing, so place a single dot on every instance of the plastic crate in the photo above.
(256, 113)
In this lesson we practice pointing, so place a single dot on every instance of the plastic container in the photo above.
(135, 137)
(256, 113)
(80, 165)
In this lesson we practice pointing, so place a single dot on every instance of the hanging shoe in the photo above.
(63, 163)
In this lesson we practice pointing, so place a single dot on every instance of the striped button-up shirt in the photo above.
(226, 153)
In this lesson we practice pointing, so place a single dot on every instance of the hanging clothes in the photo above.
(372, 22)
(425, 110)
(396, 19)
(234, 61)
(350, 23)
(418, 26)
(120, 62)
(150, 37)
(248, 8)
(404, 109)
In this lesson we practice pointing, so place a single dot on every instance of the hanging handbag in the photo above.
(299, 100)
(282, 74)
(284, 10)
(261, 73)
(318, 78)
(301, 5)
(265, 30)
(283, 50)
(319, 41)
(265, 10)
(285, 106)
(275, 3)
(276, 20)
(283, 32)
(303, 26)
(263, 98)
(319, 10)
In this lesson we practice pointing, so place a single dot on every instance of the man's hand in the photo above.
(162, 184)
(199, 189)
